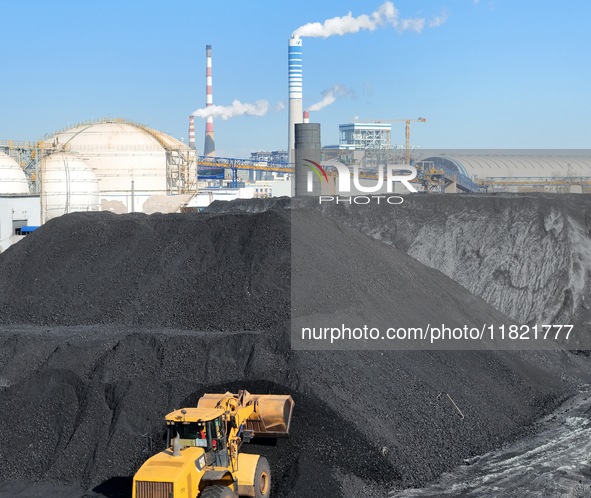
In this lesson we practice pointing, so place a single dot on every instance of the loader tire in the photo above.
(262, 479)
(217, 492)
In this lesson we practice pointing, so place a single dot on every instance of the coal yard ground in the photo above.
(108, 322)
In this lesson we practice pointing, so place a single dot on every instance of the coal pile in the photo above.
(528, 256)
(112, 321)
(206, 272)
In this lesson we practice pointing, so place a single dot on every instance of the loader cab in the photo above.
(208, 434)
(190, 434)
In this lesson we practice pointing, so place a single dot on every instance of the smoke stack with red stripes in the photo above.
(209, 147)
(192, 132)
(306, 117)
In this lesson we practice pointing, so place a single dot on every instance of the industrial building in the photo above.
(365, 136)
(18, 207)
(367, 143)
(256, 190)
(516, 171)
(264, 158)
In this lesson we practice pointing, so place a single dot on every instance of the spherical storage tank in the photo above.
(124, 156)
(12, 177)
(68, 185)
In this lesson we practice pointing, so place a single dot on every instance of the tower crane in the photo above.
(407, 130)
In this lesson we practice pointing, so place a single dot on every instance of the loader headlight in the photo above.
(200, 463)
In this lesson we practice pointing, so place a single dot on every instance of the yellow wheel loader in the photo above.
(202, 456)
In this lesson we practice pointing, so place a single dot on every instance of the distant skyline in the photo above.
(485, 74)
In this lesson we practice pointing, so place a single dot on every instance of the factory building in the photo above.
(518, 171)
(365, 136)
(275, 156)
(265, 158)
(19, 209)
(369, 145)
(259, 189)
(366, 143)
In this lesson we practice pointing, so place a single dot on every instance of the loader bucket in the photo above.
(272, 417)
(212, 400)
(272, 412)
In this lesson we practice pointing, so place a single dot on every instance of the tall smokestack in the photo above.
(209, 147)
(191, 132)
(295, 91)
(306, 117)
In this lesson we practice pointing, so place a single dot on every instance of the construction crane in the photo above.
(406, 134)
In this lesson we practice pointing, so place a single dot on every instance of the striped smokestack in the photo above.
(209, 147)
(306, 117)
(191, 132)
(295, 91)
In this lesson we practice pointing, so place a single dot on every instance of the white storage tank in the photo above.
(68, 185)
(12, 177)
(129, 160)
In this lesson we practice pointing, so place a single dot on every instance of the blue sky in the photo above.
(495, 74)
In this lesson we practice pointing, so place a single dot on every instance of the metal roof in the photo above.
(541, 165)
(114, 134)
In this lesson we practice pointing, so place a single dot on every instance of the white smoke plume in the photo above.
(259, 108)
(330, 95)
(386, 15)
